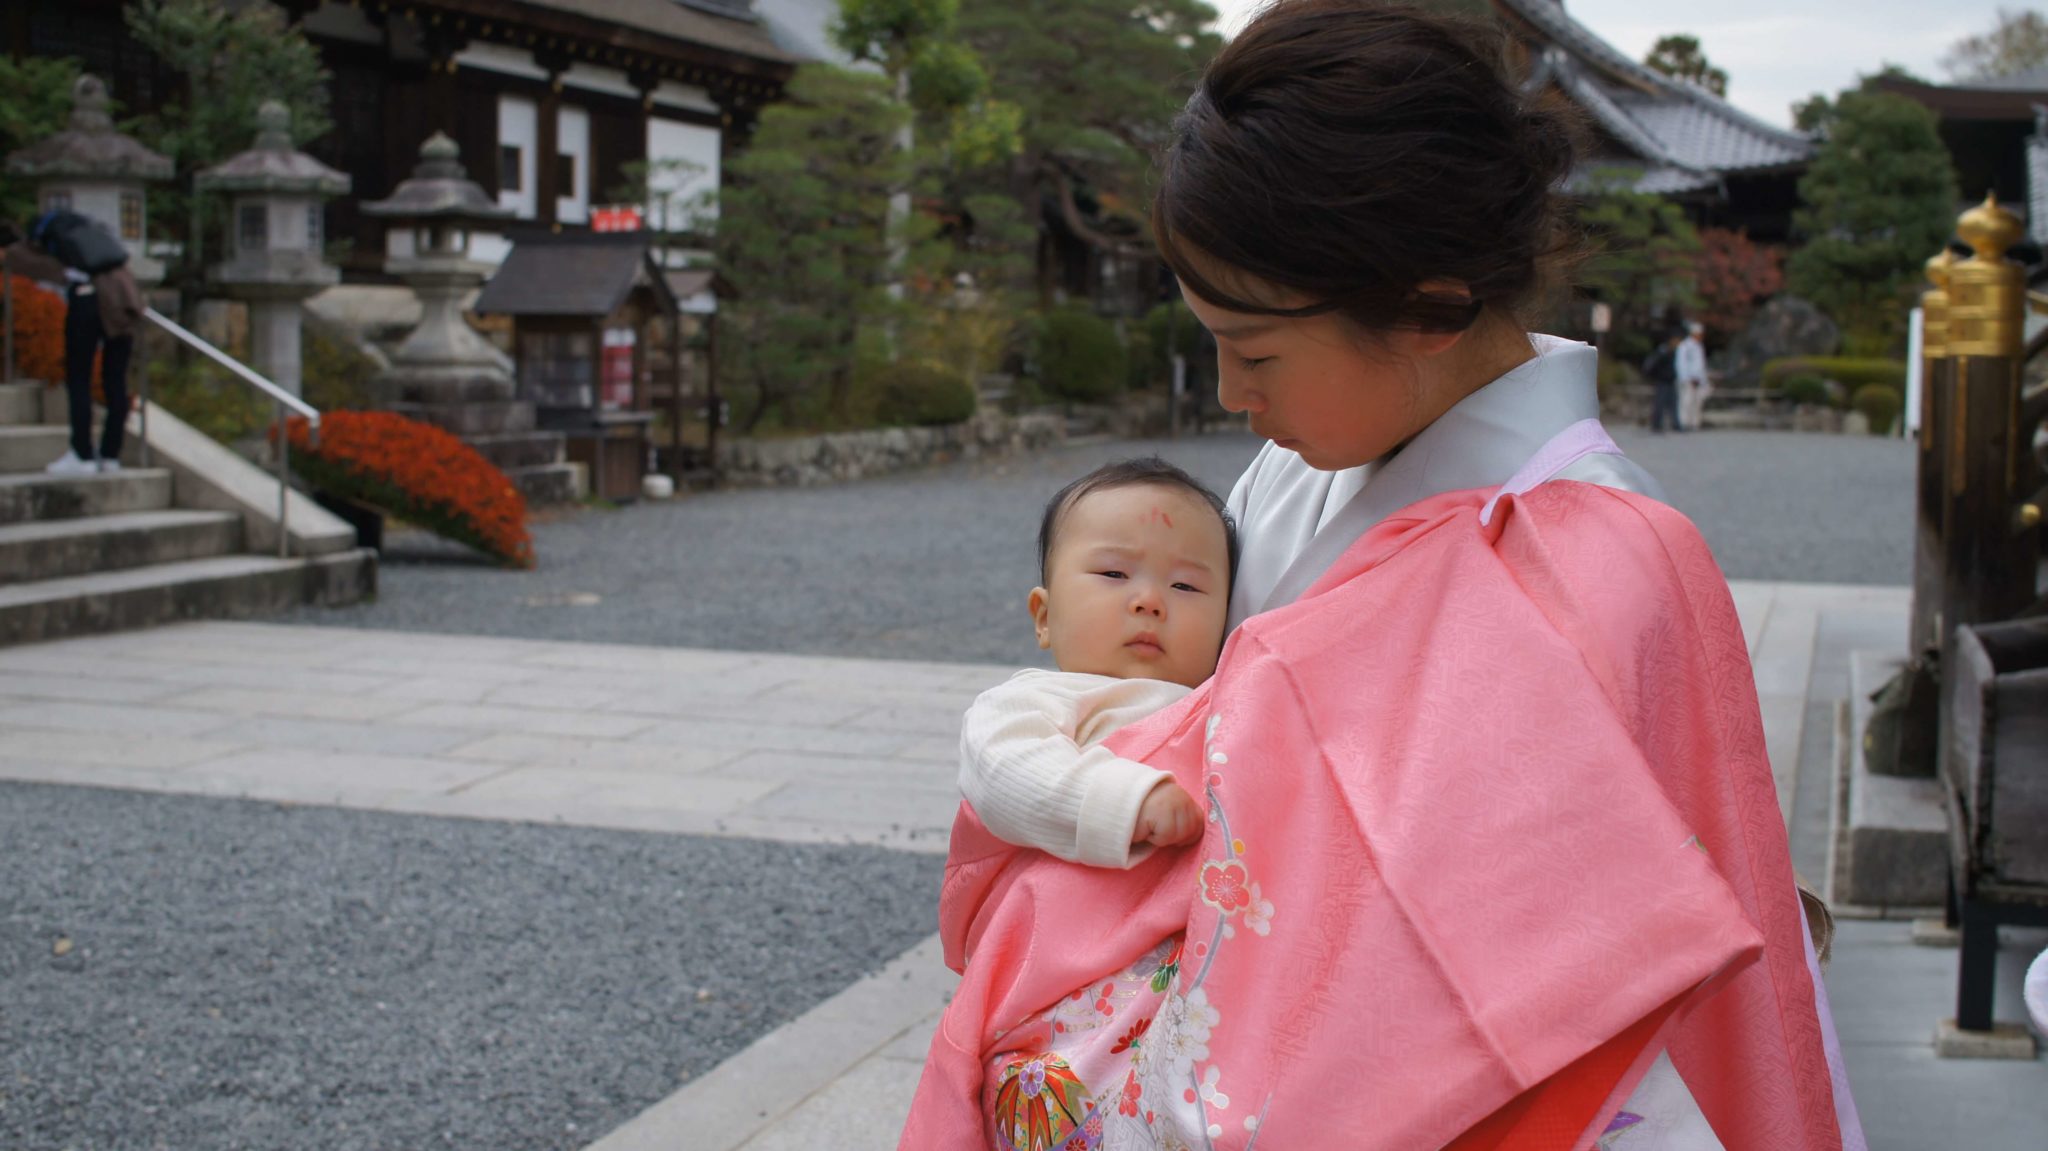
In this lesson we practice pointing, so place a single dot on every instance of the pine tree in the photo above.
(801, 236)
(1879, 199)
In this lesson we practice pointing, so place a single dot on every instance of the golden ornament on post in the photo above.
(1987, 292)
(1934, 305)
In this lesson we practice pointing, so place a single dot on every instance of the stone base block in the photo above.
(1891, 832)
(474, 419)
(2003, 1041)
(447, 389)
(520, 449)
(548, 484)
(21, 403)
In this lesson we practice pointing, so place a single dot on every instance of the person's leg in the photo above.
(114, 382)
(81, 340)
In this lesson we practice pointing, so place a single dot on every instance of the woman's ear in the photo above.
(1040, 606)
(1444, 290)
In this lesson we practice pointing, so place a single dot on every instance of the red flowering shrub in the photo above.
(419, 473)
(1735, 274)
(38, 331)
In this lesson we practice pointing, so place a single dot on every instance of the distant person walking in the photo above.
(105, 305)
(1693, 385)
(1661, 366)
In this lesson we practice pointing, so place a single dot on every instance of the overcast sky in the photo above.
(1777, 51)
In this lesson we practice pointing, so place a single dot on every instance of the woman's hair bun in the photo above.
(1349, 151)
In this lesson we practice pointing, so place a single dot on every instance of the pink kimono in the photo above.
(1491, 827)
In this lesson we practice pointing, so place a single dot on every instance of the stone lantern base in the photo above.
(483, 409)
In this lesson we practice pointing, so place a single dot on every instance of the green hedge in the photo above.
(1807, 390)
(1880, 404)
(922, 395)
(1851, 372)
(1079, 356)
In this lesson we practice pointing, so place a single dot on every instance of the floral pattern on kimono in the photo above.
(1140, 1038)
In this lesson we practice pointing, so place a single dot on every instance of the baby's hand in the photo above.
(1169, 817)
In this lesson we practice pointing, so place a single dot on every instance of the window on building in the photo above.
(252, 228)
(565, 177)
(316, 228)
(131, 216)
(510, 168)
(558, 369)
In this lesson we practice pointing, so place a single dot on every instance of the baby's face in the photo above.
(1138, 586)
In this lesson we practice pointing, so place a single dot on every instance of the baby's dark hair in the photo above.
(1351, 152)
(1149, 470)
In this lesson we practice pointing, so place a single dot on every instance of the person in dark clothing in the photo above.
(104, 307)
(1662, 369)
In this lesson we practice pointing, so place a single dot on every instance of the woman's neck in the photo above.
(1491, 348)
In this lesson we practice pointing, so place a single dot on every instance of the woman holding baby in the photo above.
(1492, 855)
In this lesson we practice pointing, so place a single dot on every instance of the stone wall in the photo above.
(807, 461)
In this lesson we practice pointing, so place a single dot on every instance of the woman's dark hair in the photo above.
(1149, 471)
(1348, 151)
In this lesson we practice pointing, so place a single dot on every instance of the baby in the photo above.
(1135, 559)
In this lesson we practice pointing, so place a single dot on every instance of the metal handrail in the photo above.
(283, 399)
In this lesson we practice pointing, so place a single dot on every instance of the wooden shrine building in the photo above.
(550, 100)
(1661, 135)
(593, 320)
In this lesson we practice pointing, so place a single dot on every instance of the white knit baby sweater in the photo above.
(1032, 765)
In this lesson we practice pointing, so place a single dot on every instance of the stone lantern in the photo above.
(441, 206)
(97, 172)
(274, 238)
(444, 372)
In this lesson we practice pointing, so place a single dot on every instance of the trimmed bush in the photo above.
(1851, 372)
(1880, 404)
(205, 396)
(418, 473)
(922, 395)
(1079, 356)
(1807, 390)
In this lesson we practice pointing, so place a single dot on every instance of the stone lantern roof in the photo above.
(90, 148)
(273, 165)
(440, 192)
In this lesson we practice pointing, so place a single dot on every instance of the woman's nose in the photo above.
(1233, 390)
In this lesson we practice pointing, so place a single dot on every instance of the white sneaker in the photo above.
(110, 465)
(69, 464)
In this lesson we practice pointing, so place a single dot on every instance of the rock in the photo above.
(1786, 326)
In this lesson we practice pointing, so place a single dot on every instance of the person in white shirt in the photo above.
(1135, 559)
(1693, 385)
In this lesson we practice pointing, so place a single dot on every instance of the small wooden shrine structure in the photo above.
(588, 311)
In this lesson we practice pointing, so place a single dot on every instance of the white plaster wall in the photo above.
(519, 126)
(572, 139)
(694, 189)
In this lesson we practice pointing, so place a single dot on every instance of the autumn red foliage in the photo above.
(39, 335)
(38, 331)
(1734, 275)
(418, 473)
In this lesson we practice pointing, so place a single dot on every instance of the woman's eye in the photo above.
(1252, 365)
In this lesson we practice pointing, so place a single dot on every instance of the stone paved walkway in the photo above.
(812, 749)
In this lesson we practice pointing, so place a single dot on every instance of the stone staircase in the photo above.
(104, 552)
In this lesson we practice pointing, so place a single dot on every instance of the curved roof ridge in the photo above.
(1720, 106)
(1611, 115)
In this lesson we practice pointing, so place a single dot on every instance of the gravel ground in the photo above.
(936, 564)
(245, 975)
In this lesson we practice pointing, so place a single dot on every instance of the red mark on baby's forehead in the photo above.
(1160, 515)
